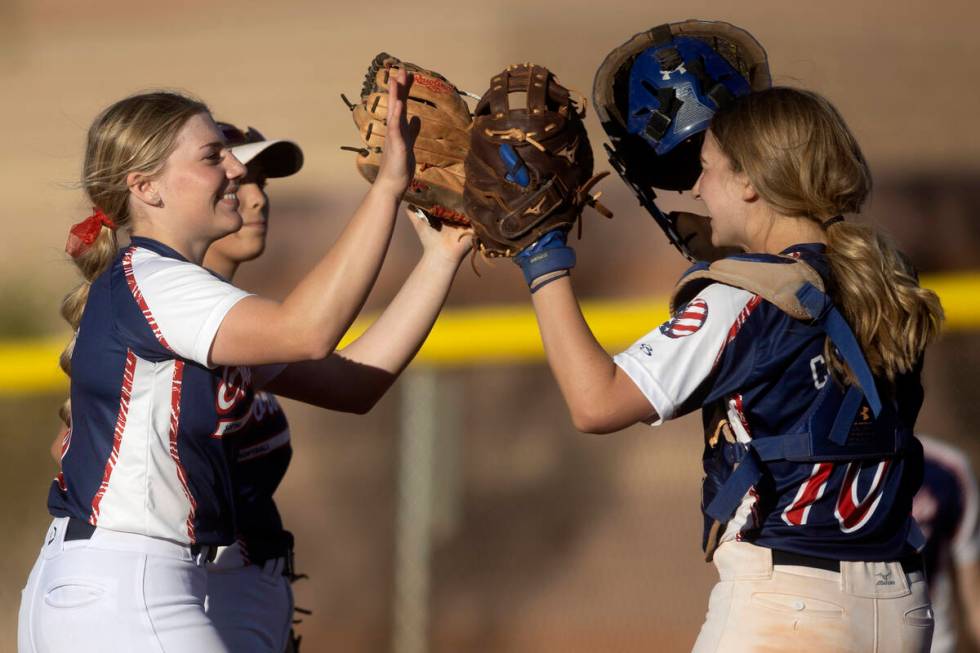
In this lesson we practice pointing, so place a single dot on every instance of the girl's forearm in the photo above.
(395, 337)
(328, 299)
(600, 396)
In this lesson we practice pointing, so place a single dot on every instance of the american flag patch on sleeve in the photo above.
(687, 320)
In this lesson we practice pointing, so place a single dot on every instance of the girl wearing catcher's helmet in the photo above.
(803, 354)
(163, 365)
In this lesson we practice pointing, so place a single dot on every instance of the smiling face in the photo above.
(196, 189)
(727, 195)
(248, 242)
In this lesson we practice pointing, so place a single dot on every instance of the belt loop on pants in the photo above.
(869, 579)
(203, 553)
(275, 566)
(78, 529)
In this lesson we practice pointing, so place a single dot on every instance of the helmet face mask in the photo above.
(676, 170)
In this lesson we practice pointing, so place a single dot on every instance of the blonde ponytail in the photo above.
(801, 158)
(136, 134)
(93, 262)
(877, 291)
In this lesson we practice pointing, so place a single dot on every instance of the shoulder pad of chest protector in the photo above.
(777, 279)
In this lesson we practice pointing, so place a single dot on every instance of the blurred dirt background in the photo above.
(564, 542)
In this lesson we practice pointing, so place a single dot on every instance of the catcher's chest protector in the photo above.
(842, 423)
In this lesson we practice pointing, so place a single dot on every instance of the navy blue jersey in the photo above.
(754, 371)
(144, 452)
(259, 450)
(947, 508)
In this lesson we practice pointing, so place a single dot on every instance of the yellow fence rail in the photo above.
(480, 336)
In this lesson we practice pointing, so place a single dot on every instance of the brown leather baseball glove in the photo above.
(529, 168)
(443, 139)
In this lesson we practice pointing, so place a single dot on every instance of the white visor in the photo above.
(278, 158)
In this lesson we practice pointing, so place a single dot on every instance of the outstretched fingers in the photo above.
(400, 128)
(398, 158)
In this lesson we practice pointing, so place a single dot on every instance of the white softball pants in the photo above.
(250, 605)
(115, 592)
(867, 607)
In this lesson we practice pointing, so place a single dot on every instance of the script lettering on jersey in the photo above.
(234, 387)
(811, 491)
(853, 511)
(235, 382)
(261, 406)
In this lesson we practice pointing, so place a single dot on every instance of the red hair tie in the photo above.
(82, 235)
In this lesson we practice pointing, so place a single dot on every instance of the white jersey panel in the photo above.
(146, 492)
(671, 362)
(183, 302)
(120, 502)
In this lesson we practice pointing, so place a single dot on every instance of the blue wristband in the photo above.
(547, 254)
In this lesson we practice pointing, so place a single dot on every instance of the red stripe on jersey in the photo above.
(127, 262)
(695, 312)
(65, 443)
(851, 512)
(751, 520)
(755, 505)
(743, 315)
(740, 411)
(811, 490)
(750, 306)
(124, 397)
(175, 390)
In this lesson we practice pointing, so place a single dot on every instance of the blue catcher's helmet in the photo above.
(675, 88)
(655, 96)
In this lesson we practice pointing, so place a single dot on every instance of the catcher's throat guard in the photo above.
(655, 96)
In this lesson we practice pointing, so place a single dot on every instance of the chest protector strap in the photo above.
(830, 429)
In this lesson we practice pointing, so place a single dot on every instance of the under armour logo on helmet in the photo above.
(665, 74)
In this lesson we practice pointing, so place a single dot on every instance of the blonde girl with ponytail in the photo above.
(804, 163)
(165, 361)
(820, 552)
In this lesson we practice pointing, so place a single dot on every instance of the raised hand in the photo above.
(398, 159)
(440, 238)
